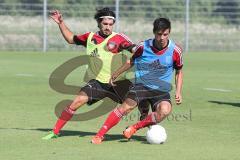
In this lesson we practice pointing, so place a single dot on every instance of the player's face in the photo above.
(162, 37)
(106, 26)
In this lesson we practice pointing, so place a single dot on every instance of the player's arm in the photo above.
(179, 84)
(125, 43)
(137, 52)
(67, 34)
(178, 65)
(122, 69)
(119, 71)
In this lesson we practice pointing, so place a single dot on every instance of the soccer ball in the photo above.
(156, 134)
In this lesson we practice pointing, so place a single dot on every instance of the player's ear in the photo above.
(99, 25)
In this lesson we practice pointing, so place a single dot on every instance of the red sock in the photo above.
(62, 120)
(113, 119)
(149, 120)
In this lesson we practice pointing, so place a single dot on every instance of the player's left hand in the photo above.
(178, 98)
(113, 78)
(111, 82)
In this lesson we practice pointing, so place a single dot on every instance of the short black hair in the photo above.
(104, 12)
(161, 24)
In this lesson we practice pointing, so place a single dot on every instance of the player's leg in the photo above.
(163, 109)
(67, 114)
(113, 118)
(161, 105)
(121, 88)
(88, 94)
(143, 108)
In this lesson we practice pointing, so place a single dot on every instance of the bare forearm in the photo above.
(120, 70)
(67, 34)
(124, 68)
(179, 81)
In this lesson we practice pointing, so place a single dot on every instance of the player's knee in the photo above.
(163, 110)
(78, 101)
(127, 107)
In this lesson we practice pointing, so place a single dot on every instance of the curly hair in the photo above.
(104, 12)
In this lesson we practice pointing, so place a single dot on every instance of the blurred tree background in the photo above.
(198, 8)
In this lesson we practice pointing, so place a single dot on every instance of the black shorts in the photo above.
(139, 93)
(97, 90)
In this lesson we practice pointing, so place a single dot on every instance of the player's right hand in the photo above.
(178, 98)
(56, 16)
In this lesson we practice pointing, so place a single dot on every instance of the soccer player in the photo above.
(102, 47)
(154, 60)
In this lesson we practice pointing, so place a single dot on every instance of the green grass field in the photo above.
(205, 127)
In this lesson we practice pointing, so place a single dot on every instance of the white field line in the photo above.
(32, 75)
(24, 75)
(218, 89)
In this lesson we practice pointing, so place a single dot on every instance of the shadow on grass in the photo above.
(226, 103)
(63, 133)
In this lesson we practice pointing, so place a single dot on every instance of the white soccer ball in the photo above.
(156, 134)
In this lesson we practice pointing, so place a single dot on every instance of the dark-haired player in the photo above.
(155, 61)
(102, 47)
